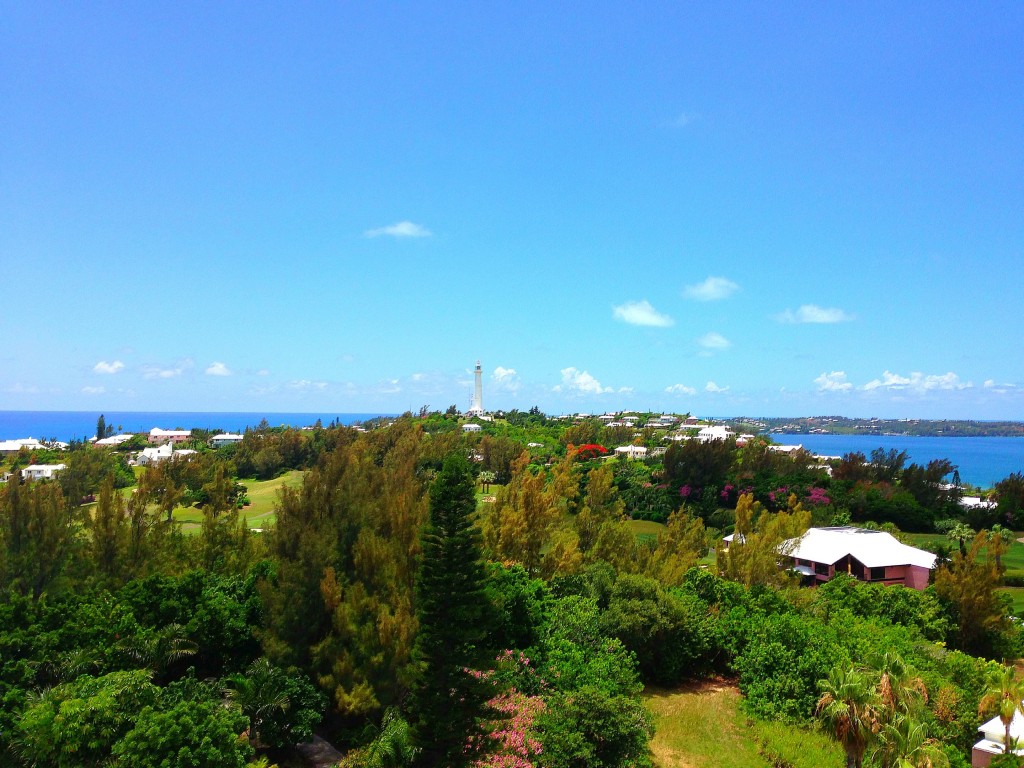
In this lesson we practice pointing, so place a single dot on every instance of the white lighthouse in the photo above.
(477, 408)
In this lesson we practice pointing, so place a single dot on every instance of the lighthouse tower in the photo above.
(477, 409)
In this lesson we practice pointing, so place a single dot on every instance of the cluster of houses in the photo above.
(161, 447)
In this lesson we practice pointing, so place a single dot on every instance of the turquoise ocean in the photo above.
(80, 425)
(982, 461)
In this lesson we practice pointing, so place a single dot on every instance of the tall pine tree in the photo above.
(453, 612)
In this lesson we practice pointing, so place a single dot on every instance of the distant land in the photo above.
(841, 425)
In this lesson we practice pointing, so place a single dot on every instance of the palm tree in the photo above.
(900, 690)
(392, 748)
(1004, 694)
(904, 743)
(160, 649)
(258, 694)
(848, 708)
(1001, 538)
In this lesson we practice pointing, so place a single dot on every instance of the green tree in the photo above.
(77, 724)
(848, 709)
(37, 534)
(192, 734)
(969, 586)
(282, 707)
(452, 607)
(591, 728)
(109, 531)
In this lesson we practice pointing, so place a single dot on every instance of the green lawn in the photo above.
(1013, 560)
(261, 511)
(1016, 598)
(646, 529)
(701, 726)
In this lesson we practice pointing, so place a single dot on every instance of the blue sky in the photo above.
(757, 210)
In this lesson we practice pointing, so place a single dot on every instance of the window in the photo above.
(877, 574)
(821, 569)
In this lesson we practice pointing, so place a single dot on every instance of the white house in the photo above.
(13, 446)
(993, 737)
(41, 471)
(867, 555)
(225, 438)
(156, 455)
(471, 427)
(113, 441)
(632, 451)
(715, 432)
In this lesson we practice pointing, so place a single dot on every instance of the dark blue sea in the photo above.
(982, 461)
(80, 425)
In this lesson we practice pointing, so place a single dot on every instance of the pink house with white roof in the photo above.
(866, 555)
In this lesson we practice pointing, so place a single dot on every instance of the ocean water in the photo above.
(80, 425)
(982, 461)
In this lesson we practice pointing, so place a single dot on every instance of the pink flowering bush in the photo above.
(818, 497)
(509, 740)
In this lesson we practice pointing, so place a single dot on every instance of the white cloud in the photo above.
(833, 382)
(575, 381)
(680, 389)
(400, 229)
(93, 390)
(917, 382)
(506, 378)
(812, 313)
(306, 385)
(641, 313)
(714, 340)
(714, 388)
(625, 390)
(104, 367)
(994, 386)
(156, 372)
(712, 289)
(683, 119)
(218, 369)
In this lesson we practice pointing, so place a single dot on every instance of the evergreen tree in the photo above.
(447, 697)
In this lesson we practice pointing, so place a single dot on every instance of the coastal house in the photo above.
(113, 441)
(161, 453)
(632, 451)
(872, 556)
(471, 427)
(993, 738)
(715, 432)
(7, 447)
(41, 471)
(159, 436)
(225, 438)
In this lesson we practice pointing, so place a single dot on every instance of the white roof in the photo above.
(994, 730)
(874, 549)
(44, 467)
(227, 436)
(114, 440)
(16, 445)
(155, 431)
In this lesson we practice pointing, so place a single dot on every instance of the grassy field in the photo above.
(1013, 559)
(646, 529)
(260, 513)
(1016, 599)
(701, 726)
